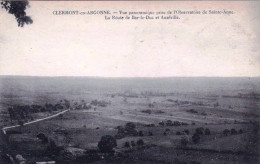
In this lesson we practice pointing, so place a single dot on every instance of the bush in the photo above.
(207, 131)
(133, 143)
(150, 125)
(140, 142)
(176, 123)
(147, 111)
(196, 138)
(199, 131)
(150, 133)
(42, 137)
(184, 141)
(161, 123)
(193, 123)
(130, 125)
(140, 133)
(106, 144)
(127, 144)
(233, 131)
(167, 129)
(186, 131)
(226, 132)
(192, 111)
(240, 131)
(169, 123)
(178, 133)
(130, 129)
(165, 134)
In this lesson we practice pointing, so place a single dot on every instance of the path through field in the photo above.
(34, 121)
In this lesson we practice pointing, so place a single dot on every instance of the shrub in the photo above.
(226, 132)
(186, 131)
(149, 125)
(130, 129)
(140, 133)
(133, 143)
(178, 133)
(42, 137)
(184, 141)
(233, 131)
(127, 144)
(140, 142)
(147, 111)
(240, 131)
(167, 129)
(176, 123)
(150, 133)
(199, 131)
(193, 123)
(207, 131)
(196, 138)
(169, 123)
(130, 125)
(192, 111)
(161, 123)
(106, 144)
(165, 134)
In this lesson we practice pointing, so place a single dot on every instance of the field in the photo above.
(107, 103)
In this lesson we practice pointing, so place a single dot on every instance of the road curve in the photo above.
(34, 121)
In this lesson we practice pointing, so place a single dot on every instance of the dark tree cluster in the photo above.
(107, 144)
(23, 112)
(128, 130)
(99, 103)
(17, 8)
(172, 123)
(227, 132)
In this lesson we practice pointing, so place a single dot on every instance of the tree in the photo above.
(42, 137)
(186, 131)
(178, 133)
(127, 144)
(169, 123)
(140, 142)
(106, 144)
(161, 123)
(133, 143)
(184, 141)
(17, 8)
(130, 129)
(199, 131)
(233, 131)
(226, 132)
(196, 138)
(207, 131)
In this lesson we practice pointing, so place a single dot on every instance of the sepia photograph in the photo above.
(129, 82)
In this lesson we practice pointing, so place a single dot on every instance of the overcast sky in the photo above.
(202, 45)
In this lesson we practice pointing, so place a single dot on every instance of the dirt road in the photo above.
(34, 121)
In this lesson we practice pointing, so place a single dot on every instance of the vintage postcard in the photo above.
(129, 82)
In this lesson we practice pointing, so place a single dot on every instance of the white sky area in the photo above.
(69, 45)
